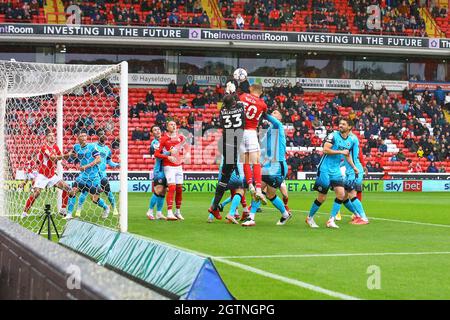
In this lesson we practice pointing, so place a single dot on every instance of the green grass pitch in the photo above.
(404, 253)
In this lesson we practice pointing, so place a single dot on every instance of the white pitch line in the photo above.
(290, 281)
(319, 255)
(263, 273)
(390, 220)
(345, 215)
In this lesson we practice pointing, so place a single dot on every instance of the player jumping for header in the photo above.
(255, 107)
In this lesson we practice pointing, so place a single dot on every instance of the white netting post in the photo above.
(3, 92)
(74, 102)
(60, 138)
(123, 222)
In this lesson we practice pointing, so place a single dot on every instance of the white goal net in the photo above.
(63, 143)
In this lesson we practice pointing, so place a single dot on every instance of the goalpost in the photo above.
(67, 100)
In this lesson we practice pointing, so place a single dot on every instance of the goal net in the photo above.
(82, 109)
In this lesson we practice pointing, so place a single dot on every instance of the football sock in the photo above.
(179, 195)
(336, 207)
(255, 205)
(112, 199)
(169, 198)
(359, 207)
(65, 199)
(29, 203)
(278, 203)
(71, 204)
(349, 205)
(220, 190)
(248, 173)
(258, 175)
(101, 203)
(226, 201)
(235, 203)
(153, 201)
(314, 208)
(82, 199)
(159, 203)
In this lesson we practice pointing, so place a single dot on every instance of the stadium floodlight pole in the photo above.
(59, 139)
(123, 221)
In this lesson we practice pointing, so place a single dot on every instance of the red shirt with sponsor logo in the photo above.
(254, 108)
(174, 145)
(47, 167)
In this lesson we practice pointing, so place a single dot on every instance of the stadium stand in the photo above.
(388, 124)
(397, 17)
(22, 11)
(391, 127)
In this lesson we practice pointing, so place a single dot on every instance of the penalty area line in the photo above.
(319, 255)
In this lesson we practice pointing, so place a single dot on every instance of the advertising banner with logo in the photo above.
(146, 79)
(330, 84)
(391, 85)
(421, 86)
(417, 186)
(153, 34)
(210, 186)
(270, 81)
(202, 80)
(439, 186)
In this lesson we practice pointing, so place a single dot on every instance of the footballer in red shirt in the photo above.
(48, 157)
(171, 147)
(255, 108)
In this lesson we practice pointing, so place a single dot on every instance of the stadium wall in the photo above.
(32, 267)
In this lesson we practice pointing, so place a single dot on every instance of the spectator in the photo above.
(382, 147)
(142, 107)
(183, 103)
(432, 168)
(377, 167)
(149, 97)
(420, 152)
(134, 112)
(294, 162)
(160, 118)
(136, 135)
(187, 88)
(172, 88)
(439, 95)
(442, 169)
(194, 88)
(146, 134)
(298, 89)
(199, 102)
(240, 21)
(163, 106)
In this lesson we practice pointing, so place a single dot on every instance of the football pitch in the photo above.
(404, 253)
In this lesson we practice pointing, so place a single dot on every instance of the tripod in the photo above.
(47, 218)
